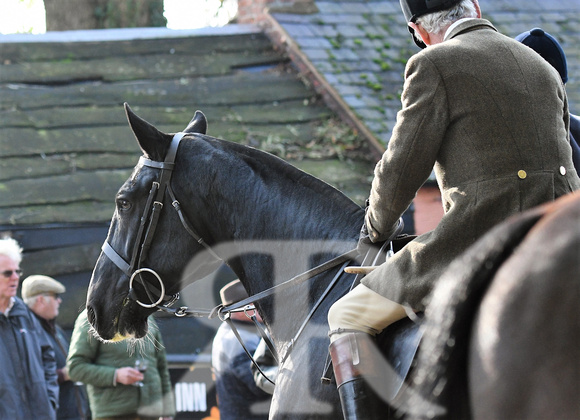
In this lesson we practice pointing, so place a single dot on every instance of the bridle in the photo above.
(147, 227)
(144, 238)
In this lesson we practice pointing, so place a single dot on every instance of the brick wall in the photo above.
(252, 11)
(428, 209)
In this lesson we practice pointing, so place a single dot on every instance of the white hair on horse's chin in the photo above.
(118, 337)
(133, 344)
(93, 332)
(139, 344)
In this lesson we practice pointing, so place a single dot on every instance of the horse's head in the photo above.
(147, 245)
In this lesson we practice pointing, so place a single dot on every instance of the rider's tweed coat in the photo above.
(492, 116)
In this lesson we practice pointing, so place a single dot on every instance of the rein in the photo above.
(223, 313)
(300, 278)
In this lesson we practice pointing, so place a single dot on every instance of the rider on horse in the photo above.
(492, 116)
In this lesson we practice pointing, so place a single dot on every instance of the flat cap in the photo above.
(233, 292)
(38, 284)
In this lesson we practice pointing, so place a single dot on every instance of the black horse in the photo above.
(267, 220)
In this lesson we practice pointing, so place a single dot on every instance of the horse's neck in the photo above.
(297, 229)
(247, 194)
(287, 236)
(275, 221)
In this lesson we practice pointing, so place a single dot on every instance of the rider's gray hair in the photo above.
(437, 22)
(10, 248)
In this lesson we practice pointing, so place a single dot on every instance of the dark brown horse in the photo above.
(502, 330)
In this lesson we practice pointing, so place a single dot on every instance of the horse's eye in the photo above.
(123, 205)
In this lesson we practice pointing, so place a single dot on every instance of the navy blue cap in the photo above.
(548, 47)
(412, 9)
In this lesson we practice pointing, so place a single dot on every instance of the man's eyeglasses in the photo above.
(8, 273)
(54, 295)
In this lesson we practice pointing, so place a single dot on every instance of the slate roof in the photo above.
(64, 140)
(359, 49)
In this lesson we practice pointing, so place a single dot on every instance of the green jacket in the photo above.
(94, 363)
(492, 117)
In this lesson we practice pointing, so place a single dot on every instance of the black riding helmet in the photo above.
(412, 9)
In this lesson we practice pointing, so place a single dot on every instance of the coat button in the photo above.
(522, 174)
(562, 170)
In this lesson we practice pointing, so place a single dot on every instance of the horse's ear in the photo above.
(198, 124)
(153, 142)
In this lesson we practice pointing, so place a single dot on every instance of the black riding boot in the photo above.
(352, 361)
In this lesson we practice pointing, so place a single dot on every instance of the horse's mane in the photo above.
(259, 160)
(441, 373)
(266, 177)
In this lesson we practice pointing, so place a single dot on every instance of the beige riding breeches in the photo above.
(363, 310)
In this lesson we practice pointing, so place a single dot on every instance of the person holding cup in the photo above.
(116, 387)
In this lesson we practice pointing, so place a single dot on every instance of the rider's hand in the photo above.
(128, 376)
(365, 241)
(396, 230)
(364, 238)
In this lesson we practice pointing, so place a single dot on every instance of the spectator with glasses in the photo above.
(42, 295)
(28, 383)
